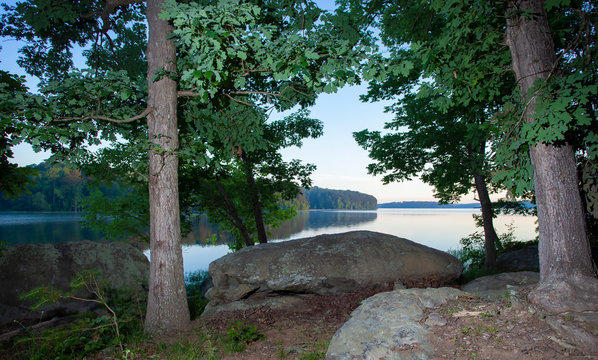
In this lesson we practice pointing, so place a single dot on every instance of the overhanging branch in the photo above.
(145, 112)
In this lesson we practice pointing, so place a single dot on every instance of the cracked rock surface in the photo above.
(387, 326)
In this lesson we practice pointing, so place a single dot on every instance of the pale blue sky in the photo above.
(341, 163)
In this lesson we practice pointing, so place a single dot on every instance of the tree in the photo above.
(277, 180)
(557, 73)
(167, 308)
(226, 54)
(568, 277)
(246, 193)
(446, 149)
(441, 131)
(51, 32)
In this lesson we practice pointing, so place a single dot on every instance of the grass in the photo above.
(239, 335)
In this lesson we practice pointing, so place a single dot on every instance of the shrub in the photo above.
(90, 332)
(472, 254)
(195, 299)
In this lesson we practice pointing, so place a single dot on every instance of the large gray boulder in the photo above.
(329, 265)
(25, 267)
(387, 326)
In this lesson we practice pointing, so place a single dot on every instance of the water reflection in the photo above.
(202, 229)
(197, 255)
(44, 228)
(437, 228)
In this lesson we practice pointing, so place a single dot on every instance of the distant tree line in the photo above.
(52, 187)
(319, 198)
(56, 187)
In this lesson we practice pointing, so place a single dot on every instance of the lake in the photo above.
(437, 228)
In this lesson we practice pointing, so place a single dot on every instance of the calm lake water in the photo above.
(437, 228)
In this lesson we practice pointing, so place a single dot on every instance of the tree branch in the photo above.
(254, 93)
(145, 112)
(187, 93)
(237, 100)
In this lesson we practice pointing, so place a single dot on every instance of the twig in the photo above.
(45, 324)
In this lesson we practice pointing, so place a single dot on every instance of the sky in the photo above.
(341, 163)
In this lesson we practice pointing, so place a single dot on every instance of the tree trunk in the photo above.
(234, 215)
(255, 201)
(167, 309)
(490, 237)
(568, 279)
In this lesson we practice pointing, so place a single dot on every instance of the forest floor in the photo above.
(475, 329)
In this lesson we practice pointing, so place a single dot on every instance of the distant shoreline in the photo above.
(426, 205)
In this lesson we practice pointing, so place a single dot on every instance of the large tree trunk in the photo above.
(568, 279)
(167, 309)
(490, 237)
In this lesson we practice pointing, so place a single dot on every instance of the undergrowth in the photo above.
(472, 255)
(118, 321)
(195, 298)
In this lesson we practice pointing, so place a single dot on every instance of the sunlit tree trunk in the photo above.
(568, 279)
(167, 309)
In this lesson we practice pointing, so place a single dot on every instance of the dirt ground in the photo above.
(474, 329)
(465, 328)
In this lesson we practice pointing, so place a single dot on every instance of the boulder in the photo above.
(329, 265)
(526, 259)
(497, 286)
(25, 267)
(387, 326)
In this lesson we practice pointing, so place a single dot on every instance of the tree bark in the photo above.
(568, 279)
(167, 309)
(234, 215)
(490, 237)
(255, 201)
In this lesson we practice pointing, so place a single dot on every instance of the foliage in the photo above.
(188, 350)
(91, 332)
(440, 132)
(253, 182)
(13, 179)
(453, 53)
(239, 335)
(471, 251)
(320, 198)
(119, 213)
(443, 97)
(195, 298)
(52, 187)
(254, 59)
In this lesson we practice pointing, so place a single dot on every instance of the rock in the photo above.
(386, 326)
(329, 265)
(25, 267)
(291, 302)
(497, 286)
(526, 259)
(579, 330)
(435, 319)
